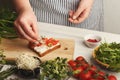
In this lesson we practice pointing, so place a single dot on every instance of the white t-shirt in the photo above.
(56, 12)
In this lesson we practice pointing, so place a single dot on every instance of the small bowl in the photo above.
(92, 40)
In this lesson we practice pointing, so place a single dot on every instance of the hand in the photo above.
(82, 12)
(26, 25)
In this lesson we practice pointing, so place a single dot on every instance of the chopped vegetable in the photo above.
(55, 69)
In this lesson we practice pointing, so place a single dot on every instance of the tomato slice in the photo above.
(50, 42)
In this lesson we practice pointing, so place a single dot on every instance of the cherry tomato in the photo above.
(77, 71)
(72, 63)
(93, 69)
(100, 78)
(112, 77)
(91, 79)
(79, 58)
(101, 73)
(85, 75)
(85, 66)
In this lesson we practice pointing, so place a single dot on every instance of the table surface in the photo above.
(77, 34)
(57, 31)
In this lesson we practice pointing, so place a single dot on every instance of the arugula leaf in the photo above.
(109, 53)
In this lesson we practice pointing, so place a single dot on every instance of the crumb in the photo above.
(65, 48)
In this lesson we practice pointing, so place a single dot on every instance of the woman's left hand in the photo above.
(82, 12)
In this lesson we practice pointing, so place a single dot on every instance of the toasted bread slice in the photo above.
(45, 46)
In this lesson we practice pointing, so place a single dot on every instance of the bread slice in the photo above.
(45, 46)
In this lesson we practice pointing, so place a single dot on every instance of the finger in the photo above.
(76, 21)
(71, 20)
(34, 27)
(71, 13)
(83, 16)
(17, 31)
(28, 30)
(21, 31)
(78, 12)
(19, 35)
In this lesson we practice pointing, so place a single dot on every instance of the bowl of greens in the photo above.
(108, 56)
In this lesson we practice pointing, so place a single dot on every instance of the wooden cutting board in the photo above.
(14, 47)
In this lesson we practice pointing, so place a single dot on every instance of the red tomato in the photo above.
(85, 75)
(93, 69)
(55, 42)
(85, 65)
(77, 71)
(72, 63)
(32, 45)
(112, 77)
(91, 79)
(100, 78)
(92, 40)
(79, 58)
(51, 41)
(101, 73)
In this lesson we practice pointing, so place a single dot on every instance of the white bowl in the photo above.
(92, 40)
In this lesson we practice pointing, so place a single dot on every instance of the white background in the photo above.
(112, 16)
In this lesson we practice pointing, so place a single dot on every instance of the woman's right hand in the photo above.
(26, 25)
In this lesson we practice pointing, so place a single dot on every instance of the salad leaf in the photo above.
(56, 69)
(109, 53)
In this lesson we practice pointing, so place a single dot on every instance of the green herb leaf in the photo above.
(55, 69)
(109, 53)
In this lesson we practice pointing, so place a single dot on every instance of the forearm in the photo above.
(21, 5)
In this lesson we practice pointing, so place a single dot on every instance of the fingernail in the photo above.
(74, 17)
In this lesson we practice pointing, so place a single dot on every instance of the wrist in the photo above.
(24, 9)
(22, 5)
